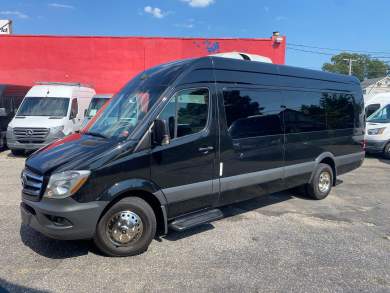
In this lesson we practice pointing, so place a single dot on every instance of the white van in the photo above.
(376, 102)
(378, 132)
(49, 111)
(98, 101)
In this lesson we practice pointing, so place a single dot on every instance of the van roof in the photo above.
(56, 90)
(267, 68)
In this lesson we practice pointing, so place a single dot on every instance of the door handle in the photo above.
(206, 150)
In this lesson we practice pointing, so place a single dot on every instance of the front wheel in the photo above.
(386, 151)
(127, 228)
(322, 182)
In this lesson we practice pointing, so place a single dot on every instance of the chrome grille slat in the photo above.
(30, 133)
(32, 183)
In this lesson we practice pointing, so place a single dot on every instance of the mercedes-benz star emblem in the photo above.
(29, 132)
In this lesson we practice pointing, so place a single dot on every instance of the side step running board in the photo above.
(196, 219)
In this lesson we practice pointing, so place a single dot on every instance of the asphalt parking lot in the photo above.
(280, 242)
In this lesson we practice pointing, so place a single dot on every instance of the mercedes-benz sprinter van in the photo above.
(183, 139)
(48, 112)
(97, 102)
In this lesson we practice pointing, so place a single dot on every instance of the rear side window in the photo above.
(304, 112)
(252, 113)
(187, 112)
(339, 110)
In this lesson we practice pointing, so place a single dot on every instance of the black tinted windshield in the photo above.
(381, 116)
(44, 106)
(134, 101)
(95, 106)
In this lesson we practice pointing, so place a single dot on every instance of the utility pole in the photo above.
(350, 60)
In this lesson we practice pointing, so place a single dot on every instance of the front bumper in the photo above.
(64, 219)
(375, 146)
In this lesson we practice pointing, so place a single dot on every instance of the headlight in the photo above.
(376, 131)
(57, 129)
(66, 183)
(9, 128)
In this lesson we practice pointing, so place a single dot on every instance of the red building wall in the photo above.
(108, 63)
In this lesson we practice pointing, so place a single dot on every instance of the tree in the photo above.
(364, 66)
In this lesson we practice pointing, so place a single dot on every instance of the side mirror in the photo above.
(3, 112)
(160, 132)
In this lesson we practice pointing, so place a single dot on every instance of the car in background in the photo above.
(10, 98)
(378, 132)
(96, 104)
(49, 111)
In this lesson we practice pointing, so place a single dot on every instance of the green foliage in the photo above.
(363, 68)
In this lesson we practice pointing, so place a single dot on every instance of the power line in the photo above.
(331, 54)
(310, 51)
(341, 50)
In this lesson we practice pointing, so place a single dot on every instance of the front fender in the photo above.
(133, 184)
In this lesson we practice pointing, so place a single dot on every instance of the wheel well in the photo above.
(329, 161)
(150, 199)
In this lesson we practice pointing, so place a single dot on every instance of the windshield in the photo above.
(381, 116)
(43, 106)
(128, 108)
(95, 106)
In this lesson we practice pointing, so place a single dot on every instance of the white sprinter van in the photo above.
(378, 132)
(49, 111)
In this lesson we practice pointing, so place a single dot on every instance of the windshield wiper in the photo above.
(95, 134)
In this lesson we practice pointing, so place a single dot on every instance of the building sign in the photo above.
(5, 27)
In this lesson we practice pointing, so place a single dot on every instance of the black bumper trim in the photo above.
(82, 217)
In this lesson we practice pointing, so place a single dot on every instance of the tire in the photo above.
(140, 214)
(386, 151)
(17, 152)
(319, 190)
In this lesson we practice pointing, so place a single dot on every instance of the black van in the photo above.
(182, 139)
(11, 96)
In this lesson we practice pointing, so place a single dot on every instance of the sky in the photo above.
(337, 24)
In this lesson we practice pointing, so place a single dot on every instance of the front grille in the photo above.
(32, 183)
(34, 135)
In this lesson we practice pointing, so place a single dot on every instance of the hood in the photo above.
(370, 125)
(74, 152)
(36, 122)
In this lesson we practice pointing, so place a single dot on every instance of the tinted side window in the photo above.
(74, 108)
(339, 110)
(304, 112)
(252, 113)
(186, 112)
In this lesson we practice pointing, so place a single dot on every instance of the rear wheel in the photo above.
(386, 151)
(127, 228)
(322, 182)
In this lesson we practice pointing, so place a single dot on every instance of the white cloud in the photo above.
(199, 3)
(14, 13)
(155, 11)
(59, 5)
